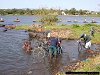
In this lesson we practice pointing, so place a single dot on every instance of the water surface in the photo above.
(14, 60)
(63, 19)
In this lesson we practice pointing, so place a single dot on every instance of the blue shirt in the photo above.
(53, 41)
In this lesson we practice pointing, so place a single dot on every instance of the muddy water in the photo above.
(14, 61)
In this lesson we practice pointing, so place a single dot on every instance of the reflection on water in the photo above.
(15, 61)
(54, 66)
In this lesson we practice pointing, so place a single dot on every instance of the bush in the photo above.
(49, 19)
(75, 26)
(63, 25)
(89, 25)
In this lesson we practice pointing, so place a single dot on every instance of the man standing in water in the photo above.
(87, 40)
(53, 41)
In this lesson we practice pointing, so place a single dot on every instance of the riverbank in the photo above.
(70, 32)
(12, 46)
(91, 64)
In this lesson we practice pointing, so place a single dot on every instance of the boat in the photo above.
(85, 22)
(69, 21)
(1, 20)
(34, 21)
(75, 21)
(17, 20)
(93, 21)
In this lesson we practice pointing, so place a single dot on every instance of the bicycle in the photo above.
(59, 50)
(40, 50)
(81, 45)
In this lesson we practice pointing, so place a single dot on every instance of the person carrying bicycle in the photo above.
(87, 40)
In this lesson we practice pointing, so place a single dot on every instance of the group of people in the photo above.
(54, 43)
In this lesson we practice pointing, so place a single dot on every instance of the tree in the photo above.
(72, 11)
(66, 11)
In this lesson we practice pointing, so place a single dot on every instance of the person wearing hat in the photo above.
(87, 40)
(53, 41)
(48, 34)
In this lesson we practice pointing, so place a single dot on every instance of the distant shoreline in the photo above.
(51, 14)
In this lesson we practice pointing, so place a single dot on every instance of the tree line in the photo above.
(44, 11)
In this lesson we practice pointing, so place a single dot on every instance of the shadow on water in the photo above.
(14, 61)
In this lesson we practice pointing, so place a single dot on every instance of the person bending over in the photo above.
(87, 40)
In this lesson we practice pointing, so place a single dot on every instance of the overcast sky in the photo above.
(62, 4)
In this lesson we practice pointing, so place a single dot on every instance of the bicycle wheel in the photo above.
(38, 53)
(35, 53)
(41, 53)
(59, 50)
(79, 47)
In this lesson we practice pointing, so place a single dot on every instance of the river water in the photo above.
(63, 19)
(14, 60)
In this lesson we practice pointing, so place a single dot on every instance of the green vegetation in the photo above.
(75, 29)
(49, 19)
(79, 29)
(90, 65)
(45, 11)
(22, 27)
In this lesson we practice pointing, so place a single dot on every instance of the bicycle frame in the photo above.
(39, 51)
(81, 46)
(59, 50)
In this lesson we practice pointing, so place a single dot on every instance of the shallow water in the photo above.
(14, 60)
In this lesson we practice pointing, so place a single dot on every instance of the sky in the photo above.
(92, 5)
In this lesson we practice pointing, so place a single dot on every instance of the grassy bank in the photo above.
(76, 30)
(88, 65)
(22, 27)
